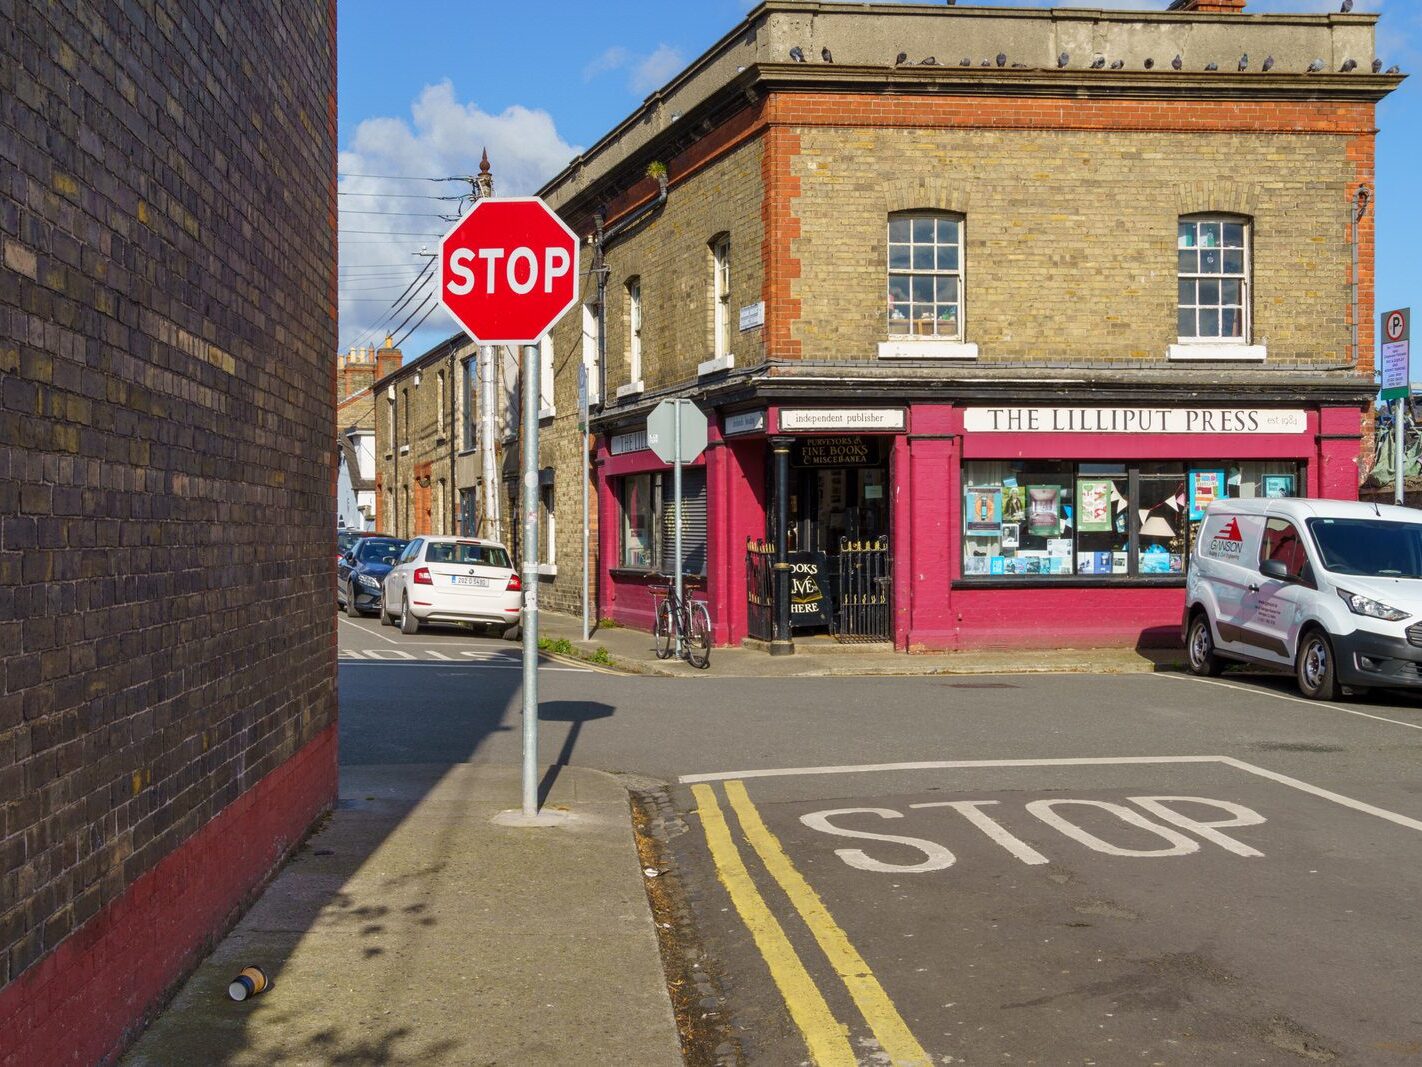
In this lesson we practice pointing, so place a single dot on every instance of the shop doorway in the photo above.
(838, 537)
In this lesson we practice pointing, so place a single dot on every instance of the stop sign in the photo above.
(508, 270)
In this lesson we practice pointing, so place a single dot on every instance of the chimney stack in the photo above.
(388, 359)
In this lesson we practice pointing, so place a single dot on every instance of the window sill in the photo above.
(548, 570)
(914, 348)
(715, 365)
(631, 389)
(1206, 352)
(547, 413)
(404, 450)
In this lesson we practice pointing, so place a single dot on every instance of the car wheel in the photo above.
(351, 609)
(1316, 668)
(408, 623)
(385, 619)
(1200, 648)
(513, 633)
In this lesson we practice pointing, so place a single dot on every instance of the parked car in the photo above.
(453, 579)
(347, 537)
(1330, 588)
(361, 571)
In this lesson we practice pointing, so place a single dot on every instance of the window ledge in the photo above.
(1205, 352)
(631, 389)
(548, 570)
(717, 363)
(404, 449)
(930, 348)
(547, 412)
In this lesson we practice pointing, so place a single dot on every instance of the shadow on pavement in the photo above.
(575, 712)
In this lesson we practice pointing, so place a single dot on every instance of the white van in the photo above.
(1331, 588)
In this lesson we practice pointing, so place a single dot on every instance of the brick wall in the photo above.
(1069, 232)
(167, 312)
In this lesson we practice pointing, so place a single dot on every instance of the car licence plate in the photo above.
(460, 579)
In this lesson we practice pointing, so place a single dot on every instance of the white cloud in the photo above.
(655, 70)
(614, 58)
(381, 232)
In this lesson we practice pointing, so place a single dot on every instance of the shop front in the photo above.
(946, 525)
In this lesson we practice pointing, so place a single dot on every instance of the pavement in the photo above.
(416, 928)
(821, 657)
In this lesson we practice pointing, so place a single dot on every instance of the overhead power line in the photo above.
(397, 233)
(398, 177)
(412, 329)
(397, 305)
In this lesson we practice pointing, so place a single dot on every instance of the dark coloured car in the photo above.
(362, 570)
(346, 539)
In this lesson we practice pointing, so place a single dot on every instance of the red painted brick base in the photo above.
(82, 1003)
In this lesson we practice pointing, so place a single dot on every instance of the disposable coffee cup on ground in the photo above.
(251, 981)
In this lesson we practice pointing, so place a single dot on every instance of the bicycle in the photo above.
(689, 620)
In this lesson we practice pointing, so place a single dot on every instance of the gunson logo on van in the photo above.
(1228, 543)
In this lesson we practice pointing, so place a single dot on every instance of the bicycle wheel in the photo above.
(698, 637)
(664, 630)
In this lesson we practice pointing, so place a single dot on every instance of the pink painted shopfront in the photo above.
(973, 524)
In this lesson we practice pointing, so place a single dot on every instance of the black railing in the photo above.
(760, 589)
(865, 608)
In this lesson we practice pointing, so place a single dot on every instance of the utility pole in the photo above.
(488, 388)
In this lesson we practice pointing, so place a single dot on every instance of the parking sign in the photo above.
(1396, 360)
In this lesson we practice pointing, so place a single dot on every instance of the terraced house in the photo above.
(984, 306)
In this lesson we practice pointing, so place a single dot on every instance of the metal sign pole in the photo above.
(531, 394)
(676, 492)
(1399, 461)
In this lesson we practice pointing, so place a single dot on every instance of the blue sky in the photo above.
(425, 85)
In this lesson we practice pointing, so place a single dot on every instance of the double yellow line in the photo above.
(827, 1039)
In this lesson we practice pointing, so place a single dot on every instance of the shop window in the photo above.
(1213, 266)
(1116, 521)
(925, 275)
(648, 515)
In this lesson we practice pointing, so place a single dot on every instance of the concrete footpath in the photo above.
(819, 656)
(416, 928)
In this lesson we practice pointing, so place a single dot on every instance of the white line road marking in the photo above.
(1104, 761)
(388, 653)
(969, 810)
(362, 629)
(1316, 705)
(438, 655)
(476, 665)
(944, 765)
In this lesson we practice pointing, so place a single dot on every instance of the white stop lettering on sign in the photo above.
(520, 269)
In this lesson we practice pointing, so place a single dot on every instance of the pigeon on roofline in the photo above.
(1268, 63)
(1212, 66)
(1002, 59)
(1315, 66)
(928, 61)
(1063, 59)
(797, 55)
(1098, 62)
(825, 55)
(1377, 66)
(901, 58)
(1244, 61)
(987, 63)
(1177, 62)
(965, 62)
(1149, 63)
(1117, 64)
(1349, 65)
(1347, 6)
(1394, 69)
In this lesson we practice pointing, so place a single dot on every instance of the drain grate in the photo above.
(980, 685)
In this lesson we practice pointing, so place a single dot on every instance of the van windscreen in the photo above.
(1372, 548)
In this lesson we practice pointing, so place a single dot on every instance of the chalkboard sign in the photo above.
(809, 600)
(846, 451)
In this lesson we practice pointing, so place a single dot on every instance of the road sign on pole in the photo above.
(508, 271)
(676, 432)
(1397, 385)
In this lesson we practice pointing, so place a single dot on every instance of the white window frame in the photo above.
(469, 435)
(907, 344)
(1209, 348)
(439, 409)
(590, 360)
(634, 337)
(546, 407)
(721, 296)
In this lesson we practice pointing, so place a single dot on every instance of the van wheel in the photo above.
(1200, 647)
(1316, 670)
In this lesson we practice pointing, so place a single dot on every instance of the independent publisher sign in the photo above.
(1396, 355)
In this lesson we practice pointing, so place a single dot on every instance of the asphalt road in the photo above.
(1015, 869)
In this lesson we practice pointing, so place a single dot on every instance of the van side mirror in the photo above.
(1275, 569)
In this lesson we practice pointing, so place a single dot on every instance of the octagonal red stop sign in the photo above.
(508, 270)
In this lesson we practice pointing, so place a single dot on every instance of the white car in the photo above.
(452, 579)
(1331, 588)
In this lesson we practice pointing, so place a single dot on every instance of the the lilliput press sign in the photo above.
(1134, 420)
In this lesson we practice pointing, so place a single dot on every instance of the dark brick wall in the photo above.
(167, 317)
